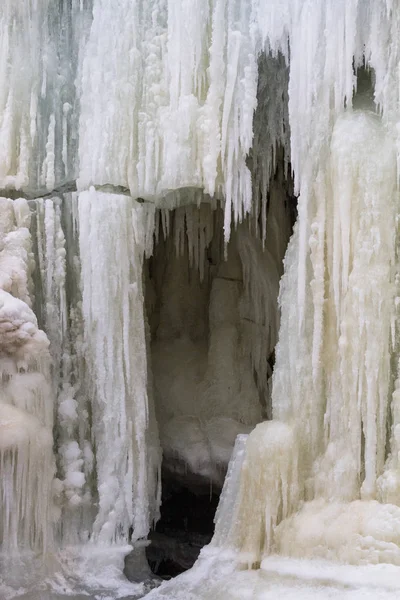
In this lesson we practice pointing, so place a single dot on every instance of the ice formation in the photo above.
(147, 150)
(26, 398)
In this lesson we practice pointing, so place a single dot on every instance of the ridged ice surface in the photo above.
(125, 437)
(40, 56)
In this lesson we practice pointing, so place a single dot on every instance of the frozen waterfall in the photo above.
(200, 296)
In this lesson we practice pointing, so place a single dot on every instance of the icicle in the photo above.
(271, 132)
(193, 104)
(349, 334)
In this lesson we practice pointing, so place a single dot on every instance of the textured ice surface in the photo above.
(124, 432)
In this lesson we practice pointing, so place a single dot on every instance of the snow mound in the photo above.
(355, 533)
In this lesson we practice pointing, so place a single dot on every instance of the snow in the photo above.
(360, 532)
(215, 576)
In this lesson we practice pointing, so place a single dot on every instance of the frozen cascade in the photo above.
(60, 311)
(348, 319)
(41, 50)
(176, 120)
(337, 412)
(269, 463)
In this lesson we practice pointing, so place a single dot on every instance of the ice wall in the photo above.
(172, 97)
(138, 103)
(334, 380)
(344, 392)
(85, 387)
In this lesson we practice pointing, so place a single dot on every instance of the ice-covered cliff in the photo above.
(153, 156)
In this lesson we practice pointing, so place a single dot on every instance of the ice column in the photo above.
(114, 234)
(266, 491)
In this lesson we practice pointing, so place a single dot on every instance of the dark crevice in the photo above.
(186, 525)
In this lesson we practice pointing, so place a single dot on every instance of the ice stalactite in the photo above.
(26, 396)
(176, 116)
(113, 238)
(201, 108)
(343, 394)
(271, 142)
(332, 383)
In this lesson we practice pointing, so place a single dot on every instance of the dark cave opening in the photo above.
(186, 525)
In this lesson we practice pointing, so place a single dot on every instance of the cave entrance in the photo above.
(213, 319)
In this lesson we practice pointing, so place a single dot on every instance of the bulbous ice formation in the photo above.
(26, 395)
(357, 532)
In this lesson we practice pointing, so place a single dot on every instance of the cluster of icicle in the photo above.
(156, 96)
(106, 443)
(107, 447)
(148, 96)
(115, 230)
(333, 381)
